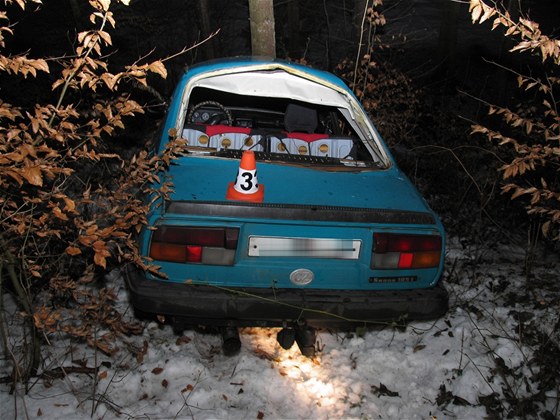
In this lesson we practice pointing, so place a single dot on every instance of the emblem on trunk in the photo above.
(302, 276)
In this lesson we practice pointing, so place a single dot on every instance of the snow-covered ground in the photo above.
(494, 354)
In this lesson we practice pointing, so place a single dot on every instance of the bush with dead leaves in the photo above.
(531, 132)
(70, 205)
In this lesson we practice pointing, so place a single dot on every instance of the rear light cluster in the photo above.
(394, 251)
(202, 245)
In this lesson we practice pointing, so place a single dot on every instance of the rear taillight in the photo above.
(394, 251)
(202, 245)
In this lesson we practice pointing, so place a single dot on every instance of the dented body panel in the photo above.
(339, 235)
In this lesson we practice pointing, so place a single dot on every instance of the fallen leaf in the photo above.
(157, 371)
(419, 347)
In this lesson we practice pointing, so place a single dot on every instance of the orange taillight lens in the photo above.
(168, 252)
(203, 245)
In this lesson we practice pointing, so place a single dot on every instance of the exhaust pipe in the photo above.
(286, 338)
(231, 343)
(305, 339)
(303, 335)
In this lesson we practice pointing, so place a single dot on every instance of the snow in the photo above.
(437, 369)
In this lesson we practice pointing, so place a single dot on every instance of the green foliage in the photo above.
(69, 206)
(532, 131)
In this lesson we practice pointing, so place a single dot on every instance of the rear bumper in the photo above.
(210, 305)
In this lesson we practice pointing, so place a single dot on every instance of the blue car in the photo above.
(288, 210)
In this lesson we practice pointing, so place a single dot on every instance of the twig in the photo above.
(360, 45)
(74, 73)
(186, 49)
(186, 399)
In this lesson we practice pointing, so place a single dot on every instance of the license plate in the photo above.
(263, 246)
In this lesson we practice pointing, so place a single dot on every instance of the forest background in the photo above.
(471, 123)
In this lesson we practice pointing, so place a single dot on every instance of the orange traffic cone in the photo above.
(246, 186)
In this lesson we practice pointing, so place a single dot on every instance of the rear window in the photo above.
(277, 129)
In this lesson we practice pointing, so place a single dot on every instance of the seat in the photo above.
(300, 138)
(300, 118)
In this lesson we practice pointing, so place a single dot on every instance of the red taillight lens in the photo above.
(390, 242)
(394, 251)
(194, 253)
(215, 246)
(405, 259)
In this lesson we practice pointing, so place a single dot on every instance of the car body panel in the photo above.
(206, 179)
(305, 250)
(274, 271)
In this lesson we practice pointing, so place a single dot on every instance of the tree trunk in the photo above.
(263, 40)
(447, 45)
(295, 47)
(208, 47)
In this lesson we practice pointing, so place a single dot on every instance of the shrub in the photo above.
(532, 130)
(70, 205)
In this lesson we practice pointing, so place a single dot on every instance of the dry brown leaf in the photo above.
(159, 68)
(71, 250)
(59, 214)
(100, 260)
(33, 175)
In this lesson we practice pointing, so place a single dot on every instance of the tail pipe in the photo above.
(303, 335)
(231, 343)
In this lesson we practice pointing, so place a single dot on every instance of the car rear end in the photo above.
(332, 241)
(244, 263)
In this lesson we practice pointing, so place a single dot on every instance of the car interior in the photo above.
(276, 129)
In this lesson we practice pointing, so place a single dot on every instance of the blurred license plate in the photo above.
(262, 246)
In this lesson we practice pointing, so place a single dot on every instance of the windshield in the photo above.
(227, 114)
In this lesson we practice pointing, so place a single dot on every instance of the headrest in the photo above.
(300, 118)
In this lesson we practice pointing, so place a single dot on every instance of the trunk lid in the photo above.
(386, 189)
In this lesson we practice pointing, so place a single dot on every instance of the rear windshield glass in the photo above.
(279, 130)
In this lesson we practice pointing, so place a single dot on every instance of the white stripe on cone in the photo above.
(246, 181)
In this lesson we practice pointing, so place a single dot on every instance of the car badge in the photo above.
(302, 276)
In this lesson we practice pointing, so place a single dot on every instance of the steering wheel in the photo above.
(217, 113)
